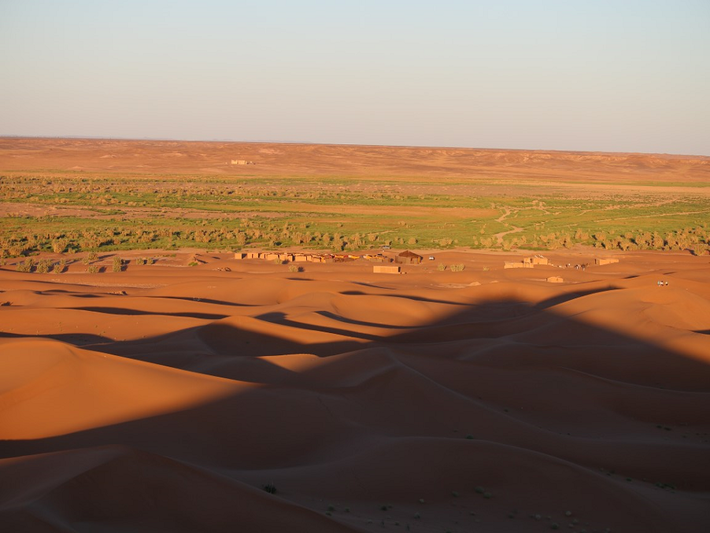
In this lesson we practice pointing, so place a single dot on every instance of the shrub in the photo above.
(92, 269)
(26, 265)
(457, 268)
(441, 267)
(43, 266)
(59, 267)
(59, 245)
(117, 264)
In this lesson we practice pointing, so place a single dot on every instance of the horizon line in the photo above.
(424, 146)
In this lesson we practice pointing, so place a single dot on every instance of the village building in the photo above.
(527, 262)
(605, 261)
(409, 258)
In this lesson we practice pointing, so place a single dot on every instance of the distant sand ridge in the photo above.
(266, 159)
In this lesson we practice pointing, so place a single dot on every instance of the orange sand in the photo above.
(165, 397)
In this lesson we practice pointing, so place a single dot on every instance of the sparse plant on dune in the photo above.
(43, 266)
(26, 265)
(59, 267)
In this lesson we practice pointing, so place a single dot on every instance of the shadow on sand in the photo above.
(549, 415)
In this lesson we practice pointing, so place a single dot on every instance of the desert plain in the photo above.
(181, 388)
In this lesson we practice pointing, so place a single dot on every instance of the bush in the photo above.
(117, 263)
(26, 265)
(59, 245)
(43, 266)
(59, 267)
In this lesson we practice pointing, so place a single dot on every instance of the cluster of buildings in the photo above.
(406, 257)
(527, 262)
(296, 257)
(530, 262)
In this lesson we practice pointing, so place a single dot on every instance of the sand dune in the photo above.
(167, 399)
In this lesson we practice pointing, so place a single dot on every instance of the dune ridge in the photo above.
(485, 400)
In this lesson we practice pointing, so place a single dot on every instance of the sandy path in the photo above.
(515, 229)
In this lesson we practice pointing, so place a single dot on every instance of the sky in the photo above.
(589, 75)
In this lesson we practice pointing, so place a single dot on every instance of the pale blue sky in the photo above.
(624, 75)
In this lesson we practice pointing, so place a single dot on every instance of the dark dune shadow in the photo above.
(572, 296)
(404, 297)
(354, 322)
(276, 317)
(76, 339)
(202, 300)
(138, 312)
(74, 294)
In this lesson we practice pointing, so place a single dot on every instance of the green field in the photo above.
(72, 212)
